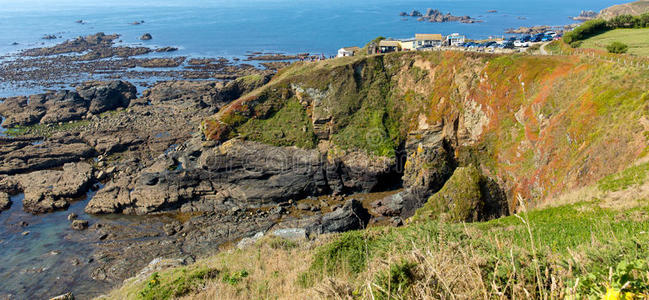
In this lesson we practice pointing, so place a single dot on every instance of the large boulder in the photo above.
(466, 197)
(351, 216)
(105, 96)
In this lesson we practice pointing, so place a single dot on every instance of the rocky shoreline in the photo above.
(97, 57)
(98, 137)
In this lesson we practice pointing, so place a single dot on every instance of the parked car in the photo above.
(526, 38)
(521, 44)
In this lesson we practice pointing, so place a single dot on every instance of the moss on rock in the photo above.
(460, 200)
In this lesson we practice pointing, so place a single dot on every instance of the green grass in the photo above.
(605, 237)
(637, 39)
(631, 176)
(177, 283)
(289, 126)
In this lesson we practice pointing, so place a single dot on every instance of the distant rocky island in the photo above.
(586, 15)
(436, 16)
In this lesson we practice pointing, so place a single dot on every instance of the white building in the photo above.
(455, 39)
(408, 44)
(428, 40)
(348, 51)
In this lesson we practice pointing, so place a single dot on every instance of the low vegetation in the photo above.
(637, 40)
(598, 26)
(617, 48)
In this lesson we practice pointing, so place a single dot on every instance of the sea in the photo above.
(35, 259)
(230, 28)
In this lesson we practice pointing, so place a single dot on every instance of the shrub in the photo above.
(586, 30)
(623, 21)
(576, 44)
(617, 47)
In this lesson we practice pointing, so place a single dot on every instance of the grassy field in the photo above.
(637, 39)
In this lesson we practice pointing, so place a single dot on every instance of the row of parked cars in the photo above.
(513, 42)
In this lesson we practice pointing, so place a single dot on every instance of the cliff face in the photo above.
(536, 126)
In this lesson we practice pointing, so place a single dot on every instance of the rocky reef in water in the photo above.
(436, 16)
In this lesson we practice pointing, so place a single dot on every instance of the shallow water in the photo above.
(39, 259)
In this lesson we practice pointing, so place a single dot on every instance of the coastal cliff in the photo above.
(537, 126)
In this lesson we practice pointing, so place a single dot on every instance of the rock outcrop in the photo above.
(436, 16)
(92, 97)
(80, 44)
(235, 174)
(352, 216)
(50, 190)
(466, 197)
(26, 155)
(146, 37)
(5, 201)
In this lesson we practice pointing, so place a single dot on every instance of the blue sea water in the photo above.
(231, 27)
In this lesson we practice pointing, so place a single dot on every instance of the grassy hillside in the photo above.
(588, 244)
(636, 39)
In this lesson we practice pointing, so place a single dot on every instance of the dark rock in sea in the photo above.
(351, 216)
(436, 16)
(161, 62)
(50, 37)
(136, 23)
(403, 14)
(72, 217)
(166, 49)
(15, 44)
(493, 11)
(79, 21)
(586, 15)
(80, 44)
(79, 225)
(146, 37)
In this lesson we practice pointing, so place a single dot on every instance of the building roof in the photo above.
(408, 40)
(428, 37)
(389, 44)
(351, 49)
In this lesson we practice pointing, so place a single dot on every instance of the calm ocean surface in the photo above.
(231, 27)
